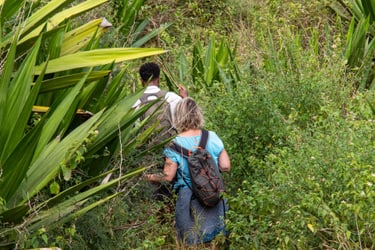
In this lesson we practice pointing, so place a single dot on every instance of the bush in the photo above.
(317, 193)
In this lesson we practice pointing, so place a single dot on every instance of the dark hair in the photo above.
(149, 71)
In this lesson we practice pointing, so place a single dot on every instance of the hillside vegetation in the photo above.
(288, 86)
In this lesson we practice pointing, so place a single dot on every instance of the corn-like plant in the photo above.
(360, 41)
(210, 66)
(50, 67)
(134, 30)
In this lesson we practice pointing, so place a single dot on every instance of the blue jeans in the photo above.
(196, 223)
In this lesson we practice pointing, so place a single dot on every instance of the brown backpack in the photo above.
(161, 114)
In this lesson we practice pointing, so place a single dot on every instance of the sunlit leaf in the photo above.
(97, 57)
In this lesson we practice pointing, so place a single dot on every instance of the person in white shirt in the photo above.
(150, 76)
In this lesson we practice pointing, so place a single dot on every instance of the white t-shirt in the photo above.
(171, 97)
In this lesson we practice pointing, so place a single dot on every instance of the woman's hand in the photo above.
(153, 177)
(169, 172)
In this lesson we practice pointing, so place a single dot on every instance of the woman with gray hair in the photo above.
(195, 223)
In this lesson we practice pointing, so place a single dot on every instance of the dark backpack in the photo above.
(206, 179)
(161, 114)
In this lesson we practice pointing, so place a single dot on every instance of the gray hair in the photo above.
(188, 115)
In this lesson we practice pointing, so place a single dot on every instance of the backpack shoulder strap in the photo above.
(185, 152)
(145, 96)
(162, 93)
(204, 138)
(179, 149)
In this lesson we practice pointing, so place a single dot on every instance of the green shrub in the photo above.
(317, 193)
(130, 221)
(249, 123)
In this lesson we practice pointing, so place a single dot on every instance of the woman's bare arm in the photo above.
(224, 161)
(169, 172)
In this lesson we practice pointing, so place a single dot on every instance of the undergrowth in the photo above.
(301, 140)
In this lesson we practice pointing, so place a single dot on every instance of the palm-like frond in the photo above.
(55, 70)
(360, 38)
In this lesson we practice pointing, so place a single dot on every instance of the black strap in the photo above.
(185, 152)
(204, 138)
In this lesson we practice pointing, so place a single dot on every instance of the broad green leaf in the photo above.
(17, 96)
(96, 90)
(357, 10)
(222, 54)
(66, 81)
(73, 190)
(15, 215)
(118, 116)
(5, 83)
(78, 38)
(183, 70)
(47, 165)
(18, 129)
(55, 43)
(170, 78)
(237, 72)
(97, 57)
(128, 13)
(368, 9)
(43, 13)
(9, 8)
(58, 18)
(75, 203)
(210, 68)
(150, 35)
(140, 29)
(66, 106)
(358, 42)
(349, 39)
(16, 165)
(115, 89)
(197, 62)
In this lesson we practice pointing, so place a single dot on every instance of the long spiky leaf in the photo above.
(97, 57)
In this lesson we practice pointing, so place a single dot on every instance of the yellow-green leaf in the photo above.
(311, 228)
(59, 17)
(76, 39)
(54, 188)
(97, 57)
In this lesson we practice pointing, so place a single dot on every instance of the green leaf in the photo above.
(67, 173)
(5, 83)
(63, 111)
(97, 57)
(57, 19)
(54, 188)
(72, 207)
(150, 35)
(78, 38)
(16, 165)
(116, 117)
(15, 101)
(67, 81)
(47, 165)
(9, 8)
(209, 63)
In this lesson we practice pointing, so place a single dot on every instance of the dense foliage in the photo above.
(289, 87)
